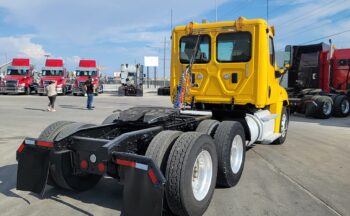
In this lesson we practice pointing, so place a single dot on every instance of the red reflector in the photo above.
(20, 148)
(83, 164)
(44, 144)
(152, 176)
(126, 163)
(101, 167)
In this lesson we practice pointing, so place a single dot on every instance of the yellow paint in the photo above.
(257, 84)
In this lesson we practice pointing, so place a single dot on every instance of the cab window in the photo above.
(234, 47)
(188, 49)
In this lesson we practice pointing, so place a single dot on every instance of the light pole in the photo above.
(164, 62)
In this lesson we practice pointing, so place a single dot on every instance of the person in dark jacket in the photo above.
(90, 91)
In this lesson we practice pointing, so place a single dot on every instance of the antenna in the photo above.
(216, 11)
(171, 20)
(267, 10)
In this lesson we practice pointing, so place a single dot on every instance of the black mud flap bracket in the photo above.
(33, 167)
(143, 185)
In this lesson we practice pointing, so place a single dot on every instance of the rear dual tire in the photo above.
(196, 163)
(61, 172)
(341, 106)
(230, 144)
(320, 107)
(191, 174)
(178, 156)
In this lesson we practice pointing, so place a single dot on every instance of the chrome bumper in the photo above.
(78, 91)
(12, 89)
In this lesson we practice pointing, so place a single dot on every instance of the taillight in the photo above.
(101, 167)
(20, 148)
(83, 164)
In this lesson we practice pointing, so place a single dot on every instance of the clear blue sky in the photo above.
(115, 32)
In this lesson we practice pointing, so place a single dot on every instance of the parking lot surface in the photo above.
(308, 175)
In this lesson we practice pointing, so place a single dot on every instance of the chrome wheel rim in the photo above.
(284, 125)
(327, 108)
(236, 153)
(202, 175)
(345, 106)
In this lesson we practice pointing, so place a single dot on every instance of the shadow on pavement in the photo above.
(8, 179)
(333, 121)
(35, 109)
(108, 193)
(71, 107)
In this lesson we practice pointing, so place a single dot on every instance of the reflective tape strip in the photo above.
(141, 166)
(44, 144)
(29, 142)
(126, 163)
(152, 176)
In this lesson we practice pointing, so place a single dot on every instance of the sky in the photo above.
(117, 32)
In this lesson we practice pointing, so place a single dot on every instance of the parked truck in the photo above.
(318, 80)
(54, 70)
(87, 68)
(19, 78)
(131, 77)
(226, 96)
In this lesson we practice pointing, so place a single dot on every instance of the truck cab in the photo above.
(19, 78)
(131, 77)
(87, 68)
(232, 70)
(338, 80)
(54, 70)
(318, 80)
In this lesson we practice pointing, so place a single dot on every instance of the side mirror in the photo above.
(288, 55)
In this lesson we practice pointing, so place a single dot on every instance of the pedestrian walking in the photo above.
(90, 91)
(51, 93)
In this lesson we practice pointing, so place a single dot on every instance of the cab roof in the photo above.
(233, 25)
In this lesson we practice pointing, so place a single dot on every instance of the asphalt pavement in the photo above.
(308, 175)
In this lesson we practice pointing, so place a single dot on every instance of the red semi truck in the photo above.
(87, 68)
(19, 78)
(319, 80)
(54, 70)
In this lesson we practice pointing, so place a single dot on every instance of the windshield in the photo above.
(188, 47)
(52, 73)
(17, 71)
(86, 73)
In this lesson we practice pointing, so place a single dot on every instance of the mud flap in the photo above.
(33, 169)
(143, 185)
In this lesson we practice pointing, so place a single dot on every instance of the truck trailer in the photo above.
(87, 68)
(226, 96)
(19, 78)
(318, 80)
(131, 77)
(54, 70)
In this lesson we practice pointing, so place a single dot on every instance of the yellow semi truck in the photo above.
(226, 93)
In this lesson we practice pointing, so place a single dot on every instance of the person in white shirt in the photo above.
(51, 93)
